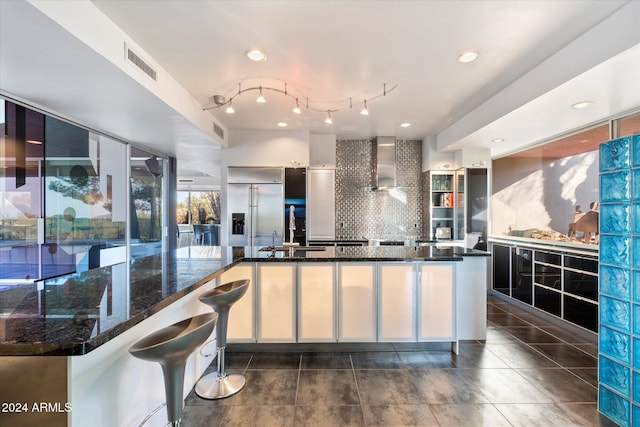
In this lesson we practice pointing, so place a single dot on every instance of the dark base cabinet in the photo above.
(560, 281)
(549, 301)
(522, 277)
(580, 312)
(501, 257)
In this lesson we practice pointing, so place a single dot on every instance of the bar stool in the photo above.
(217, 385)
(171, 347)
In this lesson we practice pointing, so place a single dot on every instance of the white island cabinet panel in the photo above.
(241, 327)
(436, 302)
(356, 296)
(471, 277)
(397, 319)
(276, 297)
(316, 296)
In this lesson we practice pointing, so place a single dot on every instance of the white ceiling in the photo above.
(329, 51)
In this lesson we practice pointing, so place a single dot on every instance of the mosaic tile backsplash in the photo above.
(361, 211)
(619, 303)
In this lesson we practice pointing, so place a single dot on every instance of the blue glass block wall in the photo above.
(619, 299)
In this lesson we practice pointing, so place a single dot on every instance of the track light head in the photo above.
(260, 99)
(364, 111)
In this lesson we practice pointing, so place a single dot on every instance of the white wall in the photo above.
(322, 151)
(436, 160)
(266, 148)
(473, 158)
(85, 21)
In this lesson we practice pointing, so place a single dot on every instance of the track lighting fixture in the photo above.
(296, 109)
(328, 119)
(364, 111)
(220, 100)
(260, 99)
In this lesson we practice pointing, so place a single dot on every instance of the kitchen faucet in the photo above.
(292, 224)
(273, 239)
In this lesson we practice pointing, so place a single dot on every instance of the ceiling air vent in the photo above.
(218, 131)
(133, 58)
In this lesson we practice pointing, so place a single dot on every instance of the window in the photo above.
(629, 125)
(85, 193)
(541, 191)
(64, 197)
(205, 207)
(145, 183)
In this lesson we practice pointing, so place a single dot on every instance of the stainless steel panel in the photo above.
(360, 211)
(254, 175)
(263, 208)
(385, 162)
(268, 214)
(238, 202)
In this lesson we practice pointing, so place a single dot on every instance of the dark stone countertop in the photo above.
(76, 313)
(366, 253)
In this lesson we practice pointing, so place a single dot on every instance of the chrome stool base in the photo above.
(219, 384)
(212, 386)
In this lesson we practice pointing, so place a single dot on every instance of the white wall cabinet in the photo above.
(276, 302)
(436, 299)
(357, 302)
(316, 299)
(241, 326)
(397, 302)
(321, 211)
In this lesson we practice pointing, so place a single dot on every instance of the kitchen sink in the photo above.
(295, 248)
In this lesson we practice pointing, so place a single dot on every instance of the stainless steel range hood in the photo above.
(385, 162)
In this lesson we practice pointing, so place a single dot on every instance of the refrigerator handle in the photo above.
(253, 202)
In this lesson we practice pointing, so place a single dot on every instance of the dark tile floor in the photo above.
(529, 372)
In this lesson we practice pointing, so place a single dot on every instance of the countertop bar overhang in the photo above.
(61, 316)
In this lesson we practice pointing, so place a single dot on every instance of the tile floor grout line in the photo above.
(295, 399)
(565, 368)
(503, 415)
(541, 327)
(563, 342)
(355, 379)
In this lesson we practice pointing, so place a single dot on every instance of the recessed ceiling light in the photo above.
(581, 105)
(256, 55)
(283, 124)
(405, 125)
(497, 140)
(468, 56)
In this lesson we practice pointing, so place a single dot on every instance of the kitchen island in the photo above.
(65, 340)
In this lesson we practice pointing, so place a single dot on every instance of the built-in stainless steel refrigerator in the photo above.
(255, 199)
